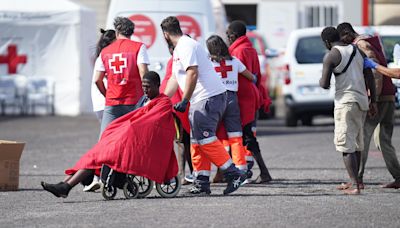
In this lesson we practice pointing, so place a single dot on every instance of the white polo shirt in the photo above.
(228, 71)
(188, 52)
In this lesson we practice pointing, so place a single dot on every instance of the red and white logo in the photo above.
(117, 63)
(189, 26)
(12, 59)
(145, 30)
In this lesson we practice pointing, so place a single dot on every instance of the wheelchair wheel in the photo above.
(145, 186)
(109, 192)
(131, 189)
(169, 189)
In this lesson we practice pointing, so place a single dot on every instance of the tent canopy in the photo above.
(57, 39)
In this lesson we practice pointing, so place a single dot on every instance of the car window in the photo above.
(388, 45)
(310, 50)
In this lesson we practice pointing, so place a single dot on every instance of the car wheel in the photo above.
(291, 118)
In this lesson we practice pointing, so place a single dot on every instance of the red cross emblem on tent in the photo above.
(12, 59)
(223, 69)
(117, 63)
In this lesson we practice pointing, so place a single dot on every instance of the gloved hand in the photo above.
(369, 63)
(254, 78)
(181, 106)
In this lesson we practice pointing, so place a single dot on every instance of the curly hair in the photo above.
(124, 26)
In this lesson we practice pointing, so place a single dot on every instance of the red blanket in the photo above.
(139, 143)
(248, 94)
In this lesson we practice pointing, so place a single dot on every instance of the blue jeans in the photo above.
(113, 112)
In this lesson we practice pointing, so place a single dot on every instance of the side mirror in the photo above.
(271, 53)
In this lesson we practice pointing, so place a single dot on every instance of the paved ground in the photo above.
(302, 160)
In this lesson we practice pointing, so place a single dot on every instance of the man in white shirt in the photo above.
(194, 73)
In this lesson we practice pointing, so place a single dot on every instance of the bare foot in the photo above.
(352, 191)
(344, 186)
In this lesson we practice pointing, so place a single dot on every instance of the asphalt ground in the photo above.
(302, 161)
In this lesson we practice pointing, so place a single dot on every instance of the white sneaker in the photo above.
(93, 186)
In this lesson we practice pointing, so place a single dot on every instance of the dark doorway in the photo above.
(246, 13)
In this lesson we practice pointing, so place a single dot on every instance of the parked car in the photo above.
(303, 97)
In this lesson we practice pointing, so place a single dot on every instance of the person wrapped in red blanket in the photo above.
(138, 143)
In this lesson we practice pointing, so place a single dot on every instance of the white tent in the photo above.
(50, 38)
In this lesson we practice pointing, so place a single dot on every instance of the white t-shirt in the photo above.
(229, 70)
(142, 58)
(189, 53)
(98, 100)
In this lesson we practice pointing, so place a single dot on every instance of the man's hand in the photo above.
(181, 106)
(373, 110)
(369, 63)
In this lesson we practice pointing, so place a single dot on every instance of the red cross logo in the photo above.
(117, 63)
(12, 59)
(223, 69)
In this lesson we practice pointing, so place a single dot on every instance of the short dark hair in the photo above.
(152, 76)
(330, 34)
(217, 48)
(238, 28)
(346, 32)
(171, 26)
(124, 26)
(345, 26)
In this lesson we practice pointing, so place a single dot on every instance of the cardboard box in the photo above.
(10, 154)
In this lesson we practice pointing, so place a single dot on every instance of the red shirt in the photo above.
(124, 85)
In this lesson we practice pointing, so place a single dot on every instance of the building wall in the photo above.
(387, 14)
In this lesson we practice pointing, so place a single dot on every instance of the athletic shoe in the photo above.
(234, 183)
(200, 189)
(189, 178)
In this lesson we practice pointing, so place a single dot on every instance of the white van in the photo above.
(303, 97)
(198, 18)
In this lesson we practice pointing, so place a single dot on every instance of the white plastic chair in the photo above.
(40, 92)
(8, 92)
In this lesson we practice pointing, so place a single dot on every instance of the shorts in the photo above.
(349, 124)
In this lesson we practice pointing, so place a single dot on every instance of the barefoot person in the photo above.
(385, 92)
(138, 143)
(351, 100)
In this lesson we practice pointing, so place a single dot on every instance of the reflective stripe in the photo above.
(206, 173)
(193, 141)
(226, 164)
(227, 148)
(241, 167)
(208, 140)
(249, 158)
(235, 134)
(253, 129)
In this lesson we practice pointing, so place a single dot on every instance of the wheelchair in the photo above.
(113, 180)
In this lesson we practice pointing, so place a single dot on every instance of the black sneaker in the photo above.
(234, 183)
(59, 190)
(198, 189)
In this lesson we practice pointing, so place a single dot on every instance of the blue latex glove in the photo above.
(181, 106)
(254, 78)
(369, 63)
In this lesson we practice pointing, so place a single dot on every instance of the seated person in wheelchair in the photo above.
(138, 143)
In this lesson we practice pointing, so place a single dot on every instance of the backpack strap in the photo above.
(349, 62)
